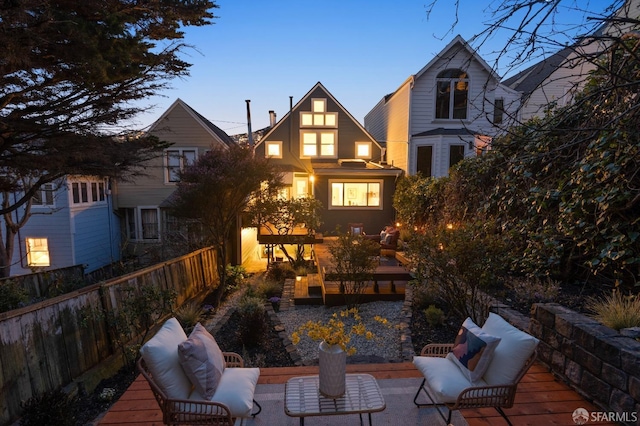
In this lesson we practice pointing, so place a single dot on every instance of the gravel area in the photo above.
(385, 347)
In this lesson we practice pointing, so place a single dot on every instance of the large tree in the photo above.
(71, 71)
(216, 189)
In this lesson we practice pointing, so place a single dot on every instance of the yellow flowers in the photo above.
(335, 332)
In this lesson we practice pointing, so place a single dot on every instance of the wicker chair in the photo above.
(489, 392)
(190, 412)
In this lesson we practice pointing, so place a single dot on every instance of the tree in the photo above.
(216, 189)
(71, 71)
(281, 216)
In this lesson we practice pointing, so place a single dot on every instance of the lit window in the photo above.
(301, 187)
(330, 119)
(306, 119)
(176, 160)
(43, 196)
(38, 252)
(452, 93)
(317, 143)
(356, 194)
(273, 150)
(319, 105)
(363, 149)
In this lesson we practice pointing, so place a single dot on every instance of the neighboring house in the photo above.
(141, 203)
(449, 110)
(325, 153)
(72, 223)
(559, 77)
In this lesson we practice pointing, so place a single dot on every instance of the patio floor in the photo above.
(541, 398)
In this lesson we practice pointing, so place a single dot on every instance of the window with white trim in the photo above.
(149, 224)
(37, 252)
(452, 94)
(363, 150)
(356, 193)
(175, 160)
(43, 197)
(273, 149)
(318, 143)
(88, 192)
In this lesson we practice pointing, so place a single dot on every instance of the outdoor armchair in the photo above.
(497, 357)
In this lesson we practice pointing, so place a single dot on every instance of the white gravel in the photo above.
(385, 346)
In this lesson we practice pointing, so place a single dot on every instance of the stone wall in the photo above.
(597, 361)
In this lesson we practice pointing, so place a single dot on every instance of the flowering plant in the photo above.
(335, 332)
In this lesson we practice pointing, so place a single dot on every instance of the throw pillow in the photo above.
(202, 361)
(473, 350)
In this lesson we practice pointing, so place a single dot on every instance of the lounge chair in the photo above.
(482, 369)
(194, 382)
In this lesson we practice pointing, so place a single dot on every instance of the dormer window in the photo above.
(452, 94)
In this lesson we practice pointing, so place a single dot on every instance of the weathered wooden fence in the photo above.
(39, 283)
(49, 344)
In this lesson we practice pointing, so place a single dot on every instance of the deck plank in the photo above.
(540, 399)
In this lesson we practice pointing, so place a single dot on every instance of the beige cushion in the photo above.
(235, 390)
(160, 354)
(202, 360)
(473, 350)
(511, 354)
(445, 380)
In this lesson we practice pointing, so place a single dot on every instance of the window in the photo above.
(38, 252)
(176, 160)
(424, 160)
(273, 150)
(75, 191)
(94, 191)
(43, 196)
(363, 150)
(88, 192)
(356, 194)
(84, 195)
(498, 111)
(319, 143)
(456, 154)
(131, 224)
(149, 224)
(300, 187)
(318, 116)
(452, 93)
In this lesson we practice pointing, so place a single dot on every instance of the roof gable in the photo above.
(309, 94)
(211, 128)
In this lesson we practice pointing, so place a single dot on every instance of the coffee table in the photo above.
(303, 399)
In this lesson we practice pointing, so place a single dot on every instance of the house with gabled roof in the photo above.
(324, 152)
(142, 203)
(450, 109)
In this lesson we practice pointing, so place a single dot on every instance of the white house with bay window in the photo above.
(145, 222)
(72, 223)
(449, 110)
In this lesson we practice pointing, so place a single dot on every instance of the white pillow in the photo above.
(514, 350)
(160, 354)
(235, 390)
(444, 378)
(202, 360)
(473, 350)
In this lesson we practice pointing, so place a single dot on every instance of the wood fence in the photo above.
(38, 284)
(49, 344)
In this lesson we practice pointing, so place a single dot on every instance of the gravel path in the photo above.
(384, 347)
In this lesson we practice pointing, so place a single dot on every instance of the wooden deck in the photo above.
(540, 400)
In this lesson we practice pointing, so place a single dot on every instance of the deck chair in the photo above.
(189, 388)
(481, 369)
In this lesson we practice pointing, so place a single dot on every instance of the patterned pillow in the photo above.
(202, 361)
(473, 350)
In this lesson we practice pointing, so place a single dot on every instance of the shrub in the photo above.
(616, 311)
(423, 294)
(189, 315)
(252, 327)
(279, 272)
(12, 295)
(269, 289)
(533, 290)
(433, 315)
(236, 277)
(49, 408)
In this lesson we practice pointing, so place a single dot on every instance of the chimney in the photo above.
(249, 132)
(272, 118)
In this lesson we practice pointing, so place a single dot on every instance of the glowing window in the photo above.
(38, 252)
(306, 119)
(318, 119)
(309, 147)
(330, 119)
(363, 149)
(319, 105)
(318, 116)
(356, 194)
(327, 144)
(273, 150)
